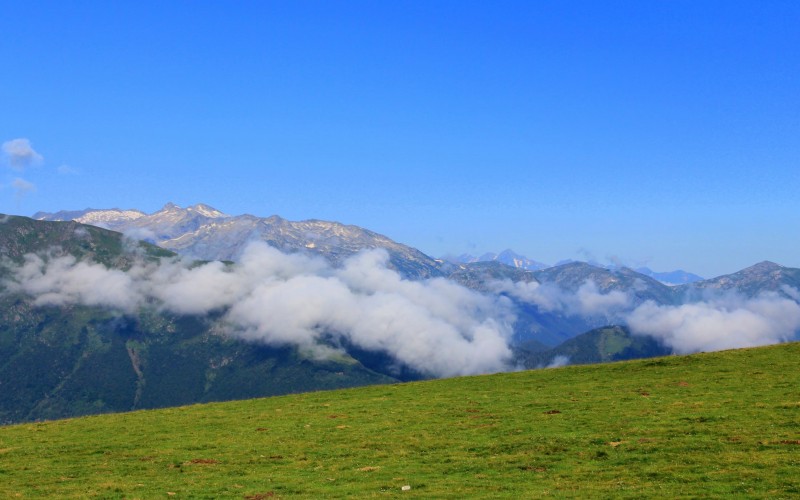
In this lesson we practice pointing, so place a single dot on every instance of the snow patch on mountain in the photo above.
(99, 217)
(207, 211)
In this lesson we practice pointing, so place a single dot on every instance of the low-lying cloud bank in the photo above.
(586, 301)
(723, 321)
(435, 326)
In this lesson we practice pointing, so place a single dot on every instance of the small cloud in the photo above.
(67, 170)
(588, 300)
(558, 361)
(20, 154)
(140, 234)
(21, 188)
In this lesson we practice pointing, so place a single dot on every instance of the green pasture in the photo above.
(707, 425)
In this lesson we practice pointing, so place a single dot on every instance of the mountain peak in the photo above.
(207, 211)
(199, 209)
(169, 207)
(507, 257)
(511, 254)
(765, 266)
(762, 268)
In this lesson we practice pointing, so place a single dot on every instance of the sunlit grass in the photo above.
(706, 425)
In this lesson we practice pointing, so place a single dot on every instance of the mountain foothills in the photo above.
(114, 310)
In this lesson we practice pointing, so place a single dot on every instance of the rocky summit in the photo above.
(203, 232)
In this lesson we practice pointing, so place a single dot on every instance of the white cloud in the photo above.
(433, 326)
(63, 280)
(21, 188)
(791, 292)
(558, 361)
(588, 300)
(548, 298)
(140, 233)
(67, 170)
(723, 323)
(436, 326)
(20, 154)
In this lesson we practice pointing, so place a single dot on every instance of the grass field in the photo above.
(707, 425)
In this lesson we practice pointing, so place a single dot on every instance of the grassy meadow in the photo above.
(706, 425)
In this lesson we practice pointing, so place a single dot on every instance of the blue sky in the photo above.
(664, 133)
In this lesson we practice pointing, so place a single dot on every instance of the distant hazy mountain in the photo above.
(560, 285)
(557, 303)
(678, 277)
(761, 277)
(513, 259)
(553, 326)
(507, 257)
(572, 276)
(569, 278)
(480, 275)
(202, 232)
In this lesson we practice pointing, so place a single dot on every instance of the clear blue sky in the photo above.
(664, 133)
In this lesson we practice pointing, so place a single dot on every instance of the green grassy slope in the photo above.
(707, 425)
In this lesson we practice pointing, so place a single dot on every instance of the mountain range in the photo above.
(204, 233)
(78, 357)
(507, 257)
(513, 259)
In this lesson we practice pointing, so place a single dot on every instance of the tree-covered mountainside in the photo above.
(67, 360)
(77, 360)
(21, 235)
(601, 345)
